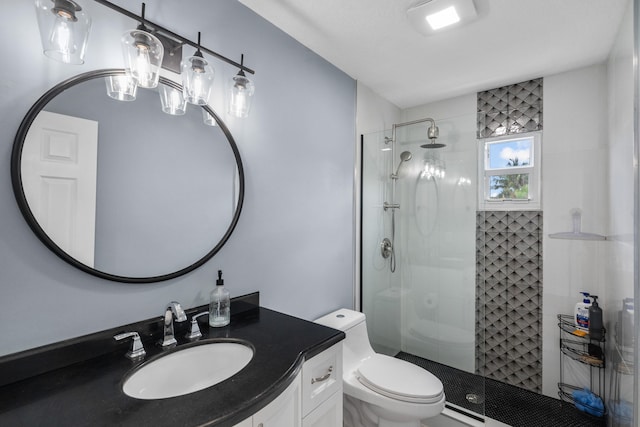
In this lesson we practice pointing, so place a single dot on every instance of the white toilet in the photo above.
(381, 390)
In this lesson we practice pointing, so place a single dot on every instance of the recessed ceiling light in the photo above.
(443, 18)
(431, 16)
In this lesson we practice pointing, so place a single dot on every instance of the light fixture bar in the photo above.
(161, 30)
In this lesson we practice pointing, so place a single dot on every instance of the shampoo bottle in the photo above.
(596, 328)
(582, 313)
(219, 307)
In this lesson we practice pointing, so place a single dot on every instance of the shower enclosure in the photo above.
(418, 243)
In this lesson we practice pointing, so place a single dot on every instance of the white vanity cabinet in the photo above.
(322, 389)
(284, 411)
(313, 399)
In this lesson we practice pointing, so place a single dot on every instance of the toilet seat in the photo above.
(400, 380)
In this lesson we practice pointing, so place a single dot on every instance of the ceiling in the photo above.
(511, 41)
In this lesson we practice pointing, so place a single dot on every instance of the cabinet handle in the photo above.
(324, 377)
(260, 425)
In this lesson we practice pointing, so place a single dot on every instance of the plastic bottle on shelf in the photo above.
(582, 313)
(596, 327)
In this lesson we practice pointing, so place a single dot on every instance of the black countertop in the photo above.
(89, 392)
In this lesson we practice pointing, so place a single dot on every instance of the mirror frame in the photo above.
(16, 179)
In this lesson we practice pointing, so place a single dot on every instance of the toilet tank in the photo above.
(356, 346)
(342, 319)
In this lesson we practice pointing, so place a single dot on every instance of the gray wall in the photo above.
(294, 240)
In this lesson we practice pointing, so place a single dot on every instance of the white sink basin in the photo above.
(188, 370)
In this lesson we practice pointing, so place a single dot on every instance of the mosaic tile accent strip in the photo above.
(509, 297)
(512, 109)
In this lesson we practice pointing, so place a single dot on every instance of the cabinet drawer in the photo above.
(321, 377)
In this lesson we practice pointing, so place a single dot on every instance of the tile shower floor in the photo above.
(503, 402)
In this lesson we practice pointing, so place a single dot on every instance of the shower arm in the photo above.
(394, 177)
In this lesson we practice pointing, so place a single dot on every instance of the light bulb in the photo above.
(61, 39)
(142, 71)
(64, 30)
(197, 79)
(241, 93)
(197, 87)
(142, 53)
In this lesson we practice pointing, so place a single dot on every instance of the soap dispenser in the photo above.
(219, 307)
(596, 327)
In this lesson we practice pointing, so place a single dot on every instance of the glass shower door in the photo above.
(427, 309)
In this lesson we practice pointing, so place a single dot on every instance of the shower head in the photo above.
(433, 132)
(433, 145)
(405, 156)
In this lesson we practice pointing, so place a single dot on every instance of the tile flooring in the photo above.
(508, 404)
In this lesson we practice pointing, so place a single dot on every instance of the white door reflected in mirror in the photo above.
(59, 163)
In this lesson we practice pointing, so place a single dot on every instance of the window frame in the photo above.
(534, 202)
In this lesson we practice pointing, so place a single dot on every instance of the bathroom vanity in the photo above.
(293, 379)
(313, 399)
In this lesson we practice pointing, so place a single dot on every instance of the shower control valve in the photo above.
(386, 248)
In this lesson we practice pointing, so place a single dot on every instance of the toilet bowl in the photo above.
(380, 390)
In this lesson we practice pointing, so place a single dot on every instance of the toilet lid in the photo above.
(399, 380)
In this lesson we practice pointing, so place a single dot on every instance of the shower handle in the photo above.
(386, 248)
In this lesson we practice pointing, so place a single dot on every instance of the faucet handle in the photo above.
(195, 329)
(137, 349)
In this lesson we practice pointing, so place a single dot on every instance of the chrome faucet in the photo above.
(173, 309)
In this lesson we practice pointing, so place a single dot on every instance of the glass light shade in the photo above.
(64, 30)
(143, 54)
(172, 101)
(208, 119)
(122, 88)
(197, 79)
(242, 90)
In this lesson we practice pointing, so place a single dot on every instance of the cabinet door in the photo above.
(328, 414)
(284, 411)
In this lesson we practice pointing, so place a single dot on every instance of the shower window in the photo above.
(510, 172)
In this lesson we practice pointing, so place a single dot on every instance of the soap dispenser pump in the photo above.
(219, 307)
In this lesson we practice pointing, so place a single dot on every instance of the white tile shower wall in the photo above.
(574, 175)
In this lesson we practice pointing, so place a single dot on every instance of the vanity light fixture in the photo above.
(242, 90)
(431, 16)
(64, 30)
(143, 54)
(197, 77)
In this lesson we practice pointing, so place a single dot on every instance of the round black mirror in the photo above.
(122, 190)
